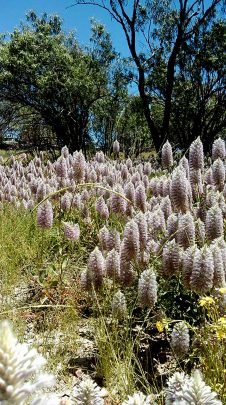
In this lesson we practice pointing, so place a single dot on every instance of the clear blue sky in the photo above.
(77, 18)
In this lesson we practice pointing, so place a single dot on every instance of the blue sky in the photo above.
(77, 18)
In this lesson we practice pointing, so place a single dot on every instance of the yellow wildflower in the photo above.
(222, 290)
(222, 321)
(160, 326)
(221, 334)
(206, 301)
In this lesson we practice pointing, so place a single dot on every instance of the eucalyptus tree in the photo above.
(46, 71)
(167, 29)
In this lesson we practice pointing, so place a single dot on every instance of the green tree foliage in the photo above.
(106, 111)
(199, 96)
(181, 44)
(132, 128)
(46, 71)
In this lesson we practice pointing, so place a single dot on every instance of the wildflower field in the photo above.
(113, 270)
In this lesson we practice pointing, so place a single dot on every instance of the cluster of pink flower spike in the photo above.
(174, 211)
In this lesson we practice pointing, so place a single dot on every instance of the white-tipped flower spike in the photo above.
(118, 203)
(187, 265)
(147, 289)
(167, 156)
(184, 164)
(45, 215)
(87, 392)
(166, 207)
(171, 259)
(200, 233)
(40, 191)
(180, 191)
(220, 242)
(66, 201)
(130, 192)
(102, 208)
(119, 307)
(96, 267)
(209, 176)
(186, 230)
(124, 172)
(218, 149)
(180, 339)
(65, 152)
(113, 241)
(136, 178)
(218, 171)
(203, 270)
(137, 399)
(86, 280)
(113, 264)
(116, 147)
(174, 390)
(195, 177)
(104, 236)
(140, 197)
(61, 167)
(214, 223)
(196, 155)
(71, 231)
(100, 203)
(197, 392)
(100, 158)
(143, 229)
(79, 166)
(172, 225)
(19, 363)
(157, 223)
(126, 269)
(147, 168)
(219, 274)
(131, 240)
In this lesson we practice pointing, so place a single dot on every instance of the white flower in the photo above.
(17, 363)
(184, 390)
(87, 393)
(137, 399)
(48, 399)
(198, 393)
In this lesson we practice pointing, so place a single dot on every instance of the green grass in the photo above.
(26, 251)
(46, 267)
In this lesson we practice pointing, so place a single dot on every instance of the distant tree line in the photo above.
(53, 92)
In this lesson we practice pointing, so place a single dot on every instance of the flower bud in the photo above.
(71, 231)
(179, 192)
(214, 223)
(113, 264)
(167, 156)
(218, 149)
(171, 259)
(196, 155)
(116, 147)
(140, 197)
(45, 215)
(79, 166)
(218, 170)
(131, 240)
(119, 307)
(147, 289)
(203, 270)
(180, 339)
(96, 267)
(186, 231)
